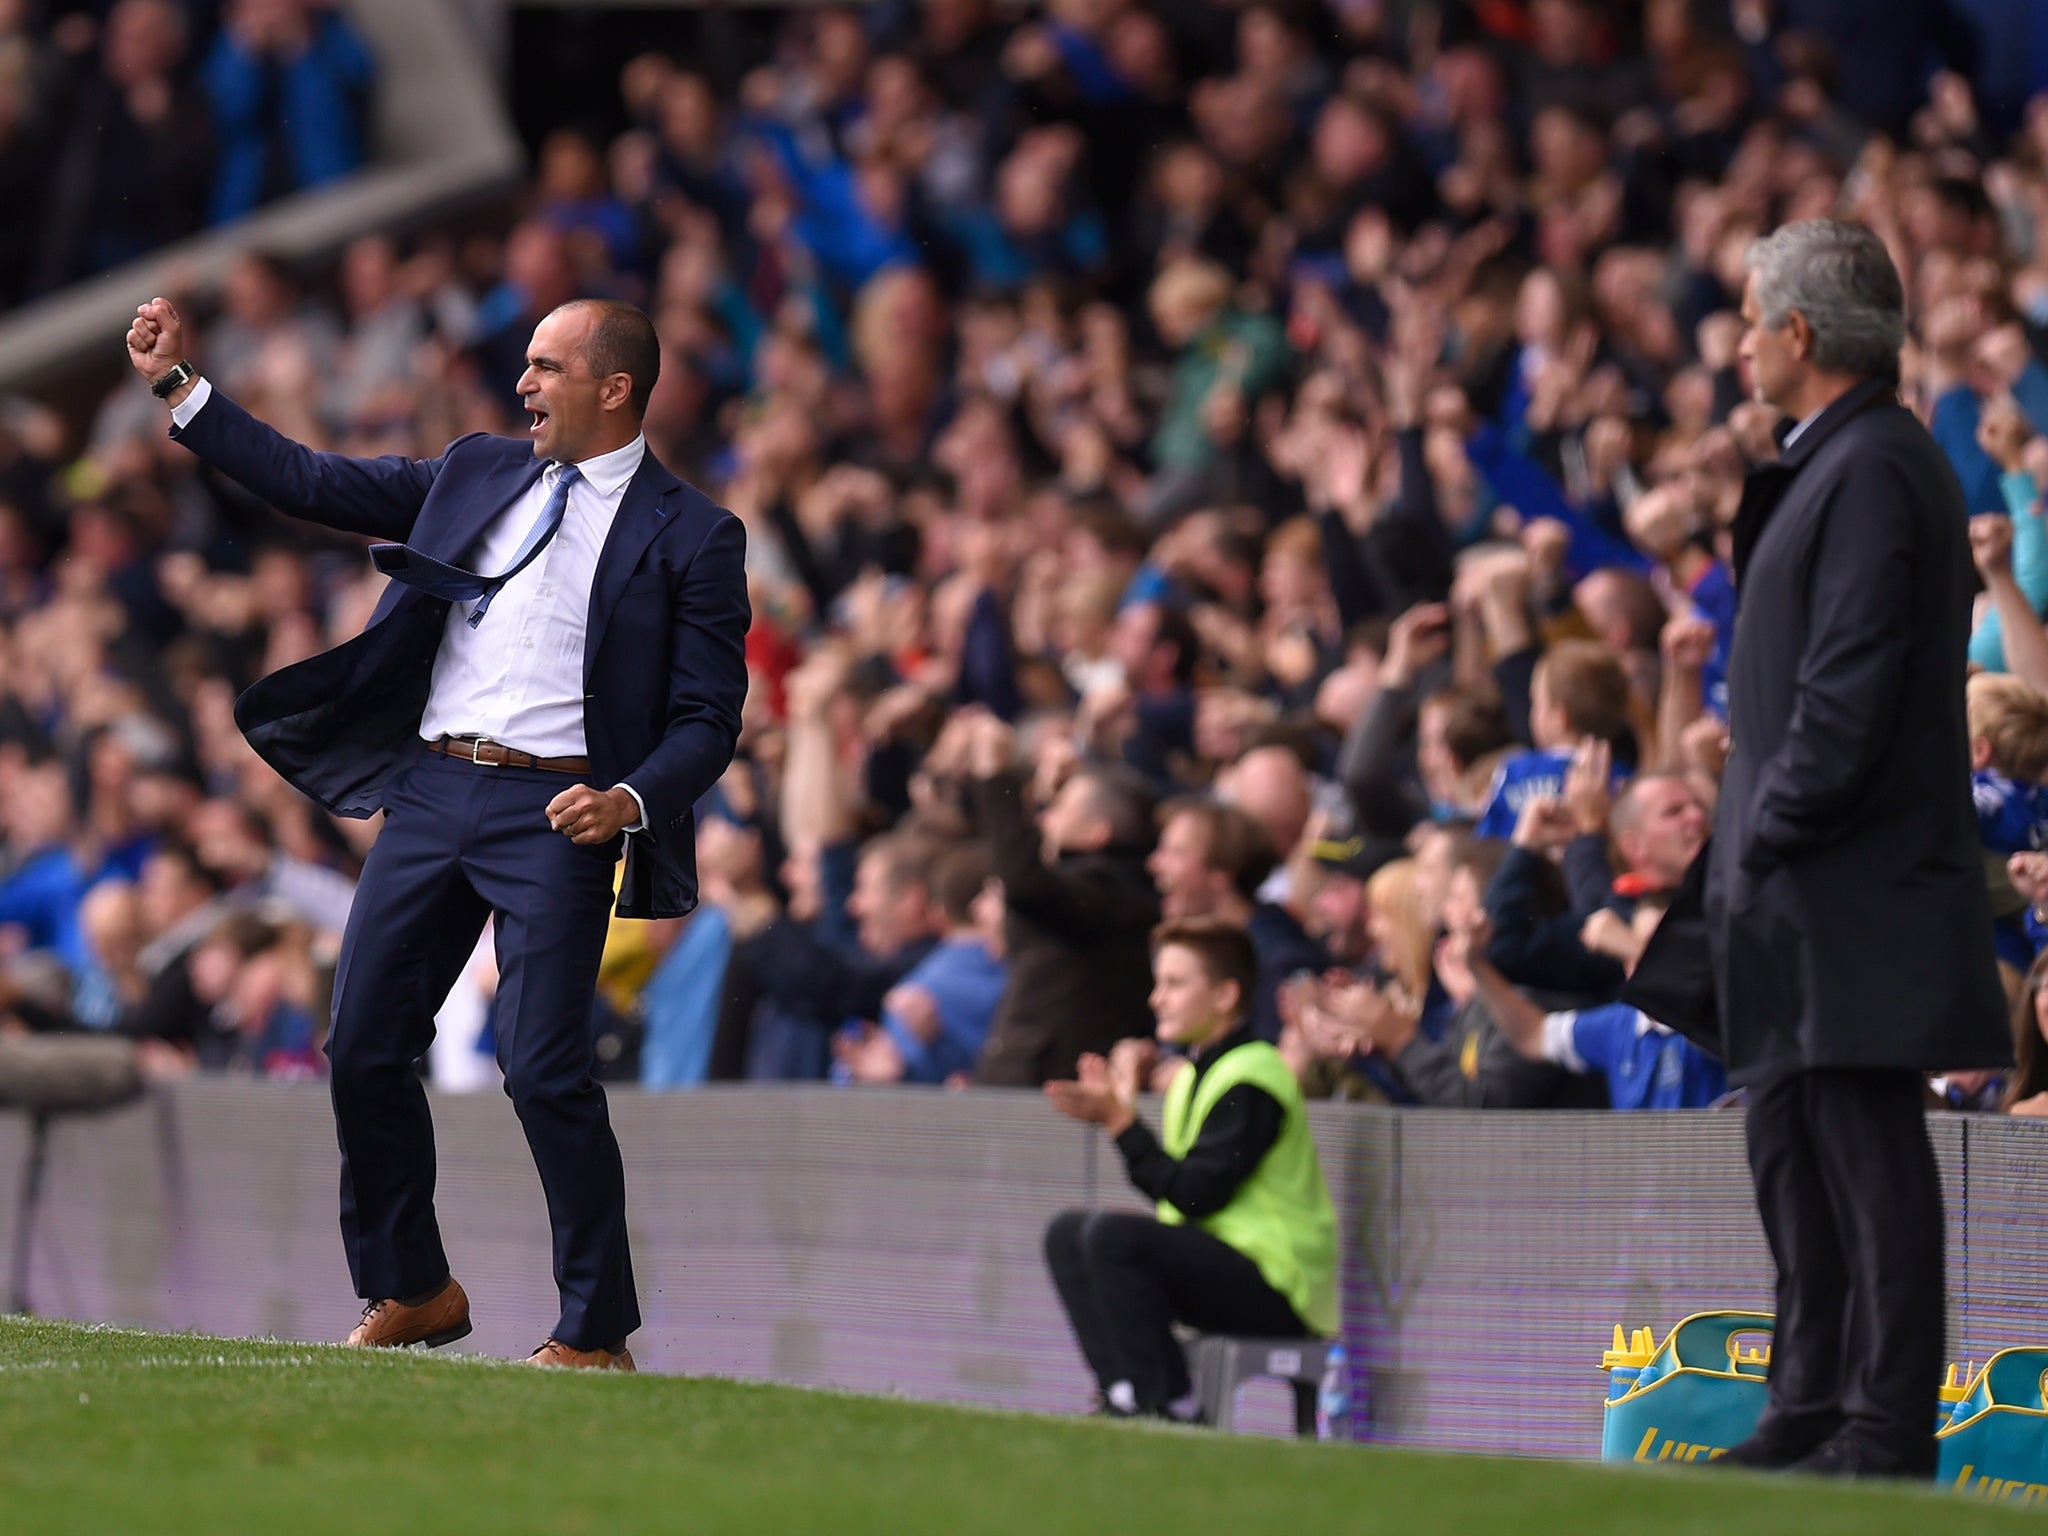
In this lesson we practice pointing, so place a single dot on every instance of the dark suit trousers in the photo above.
(1851, 1202)
(1126, 1279)
(461, 843)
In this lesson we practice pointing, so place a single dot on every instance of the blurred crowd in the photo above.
(1267, 460)
(126, 126)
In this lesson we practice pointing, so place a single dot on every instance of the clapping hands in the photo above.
(1095, 1095)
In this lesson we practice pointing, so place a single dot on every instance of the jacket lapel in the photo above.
(1762, 489)
(642, 514)
(496, 490)
(1765, 486)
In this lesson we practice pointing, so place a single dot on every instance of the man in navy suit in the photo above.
(554, 674)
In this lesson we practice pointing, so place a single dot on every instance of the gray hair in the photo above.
(1841, 277)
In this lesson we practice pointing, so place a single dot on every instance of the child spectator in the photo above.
(2009, 758)
(1245, 1238)
(1579, 690)
(2009, 761)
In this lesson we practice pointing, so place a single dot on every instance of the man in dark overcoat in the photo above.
(1837, 940)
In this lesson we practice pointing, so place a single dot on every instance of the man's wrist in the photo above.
(175, 383)
(1121, 1119)
(632, 812)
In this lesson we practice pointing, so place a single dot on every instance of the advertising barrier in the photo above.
(889, 1240)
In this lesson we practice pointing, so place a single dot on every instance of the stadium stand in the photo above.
(1329, 410)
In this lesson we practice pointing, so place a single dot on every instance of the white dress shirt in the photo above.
(517, 678)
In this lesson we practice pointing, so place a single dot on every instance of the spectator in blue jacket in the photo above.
(2008, 437)
(935, 1020)
(811, 986)
(289, 82)
(1646, 1064)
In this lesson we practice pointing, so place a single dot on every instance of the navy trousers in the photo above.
(461, 843)
(1850, 1197)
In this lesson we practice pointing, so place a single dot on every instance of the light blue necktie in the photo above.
(407, 566)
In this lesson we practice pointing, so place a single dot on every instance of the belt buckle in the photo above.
(476, 746)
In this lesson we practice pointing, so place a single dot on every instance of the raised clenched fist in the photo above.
(1991, 544)
(156, 341)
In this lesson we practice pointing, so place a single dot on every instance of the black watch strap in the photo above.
(180, 375)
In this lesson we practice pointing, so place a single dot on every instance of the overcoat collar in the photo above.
(1765, 486)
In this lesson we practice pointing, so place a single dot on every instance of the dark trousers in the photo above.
(1851, 1203)
(1125, 1280)
(461, 843)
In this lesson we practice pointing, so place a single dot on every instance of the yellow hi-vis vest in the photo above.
(1281, 1217)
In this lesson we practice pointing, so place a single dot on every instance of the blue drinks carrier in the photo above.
(1995, 1444)
(1703, 1389)
(1691, 1397)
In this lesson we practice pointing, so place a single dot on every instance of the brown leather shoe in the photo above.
(390, 1324)
(557, 1355)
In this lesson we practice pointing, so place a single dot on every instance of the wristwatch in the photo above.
(180, 375)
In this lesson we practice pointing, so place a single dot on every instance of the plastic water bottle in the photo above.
(1333, 1397)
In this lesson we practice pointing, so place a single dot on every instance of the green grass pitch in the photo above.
(107, 1431)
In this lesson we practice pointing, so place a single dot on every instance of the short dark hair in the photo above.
(248, 934)
(1585, 681)
(958, 876)
(1475, 725)
(1224, 950)
(1103, 518)
(1122, 798)
(1237, 846)
(623, 340)
(195, 871)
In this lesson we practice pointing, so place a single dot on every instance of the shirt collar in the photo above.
(609, 473)
(1803, 423)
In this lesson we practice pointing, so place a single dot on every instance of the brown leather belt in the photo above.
(492, 754)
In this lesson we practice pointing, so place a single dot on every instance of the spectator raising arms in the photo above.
(288, 80)
(1340, 444)
(1078, 909)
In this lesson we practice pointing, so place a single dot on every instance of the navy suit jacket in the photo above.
(664, 663)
